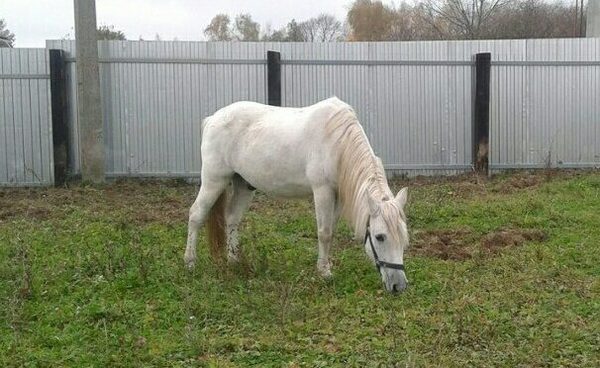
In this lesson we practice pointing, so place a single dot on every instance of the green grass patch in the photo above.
(94, 276)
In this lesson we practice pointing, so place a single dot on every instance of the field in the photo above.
(502, 272)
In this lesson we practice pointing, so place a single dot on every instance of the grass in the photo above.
(93, 276)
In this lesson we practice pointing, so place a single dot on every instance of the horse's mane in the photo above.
(359, 173)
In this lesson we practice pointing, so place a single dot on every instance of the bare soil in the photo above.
(463, 244)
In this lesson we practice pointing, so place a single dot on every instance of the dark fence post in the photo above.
(59, 116)
(274, 78)
(481, 123)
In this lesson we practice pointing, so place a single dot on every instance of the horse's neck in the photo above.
(376, 184)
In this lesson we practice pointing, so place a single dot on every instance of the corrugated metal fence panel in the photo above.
(545, 109)
(155, 95)
(26, 156)
(415, 99)
(417, 114)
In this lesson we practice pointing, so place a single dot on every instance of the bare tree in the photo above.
(324, 28)
(7, 38)
(533, 19)
(294, 32)
(218, 29)
(404, 25)
(463, 18)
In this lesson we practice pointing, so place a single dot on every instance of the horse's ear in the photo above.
(373, 205)
(402, 197)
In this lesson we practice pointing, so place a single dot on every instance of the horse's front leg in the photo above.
(325, 213)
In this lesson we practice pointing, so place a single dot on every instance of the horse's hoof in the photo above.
(325, 273)
(190, 263)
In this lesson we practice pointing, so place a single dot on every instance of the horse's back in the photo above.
(279, 150)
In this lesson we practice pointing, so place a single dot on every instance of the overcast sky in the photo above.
(34, 21)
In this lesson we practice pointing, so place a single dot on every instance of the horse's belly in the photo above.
(272, 183)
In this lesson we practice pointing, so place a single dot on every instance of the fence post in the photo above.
(89, 103)
(274, 78)
(481, 123)
(60, 130)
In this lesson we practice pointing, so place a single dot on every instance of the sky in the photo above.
(34, 21)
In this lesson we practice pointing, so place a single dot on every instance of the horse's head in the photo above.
(387, 238)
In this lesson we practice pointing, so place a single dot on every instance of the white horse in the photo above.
(294, 152)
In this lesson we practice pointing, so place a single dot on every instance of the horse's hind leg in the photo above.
(240, 199)
(210, 190)
(325, 208)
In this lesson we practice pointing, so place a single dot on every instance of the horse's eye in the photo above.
(380, 237)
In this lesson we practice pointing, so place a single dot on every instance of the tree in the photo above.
(218, 29)
(271, 35)
(324, 28)
(245, 28)
(533, 19)
(403, 26)
(466, 19)
(370, 21)
(463, 19)
(109, 33)
(294, 32)
(7, 38)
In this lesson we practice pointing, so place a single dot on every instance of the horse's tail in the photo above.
(215, 226)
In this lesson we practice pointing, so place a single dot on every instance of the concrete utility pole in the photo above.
(89, 107)
(593, 19)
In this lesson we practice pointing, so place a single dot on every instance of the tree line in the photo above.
(371, 20)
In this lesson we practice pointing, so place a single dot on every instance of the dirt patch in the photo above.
(24, 210)
(137, 202)
(495, 241)
(444, 244)
(518, 182)
(470, 185)
(462, 244)
(459, 186)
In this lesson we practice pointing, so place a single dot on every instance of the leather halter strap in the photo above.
(379, 263)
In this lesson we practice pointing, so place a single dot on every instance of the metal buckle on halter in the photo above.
(378, 263)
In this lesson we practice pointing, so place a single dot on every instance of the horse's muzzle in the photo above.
(395, 281)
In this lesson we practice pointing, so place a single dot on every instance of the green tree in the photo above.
(7, 38)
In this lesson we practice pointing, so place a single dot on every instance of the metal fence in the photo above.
(415, 100)
(155, 95)
(545, 108)
(26, 155)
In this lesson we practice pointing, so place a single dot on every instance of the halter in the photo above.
(378, 263)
